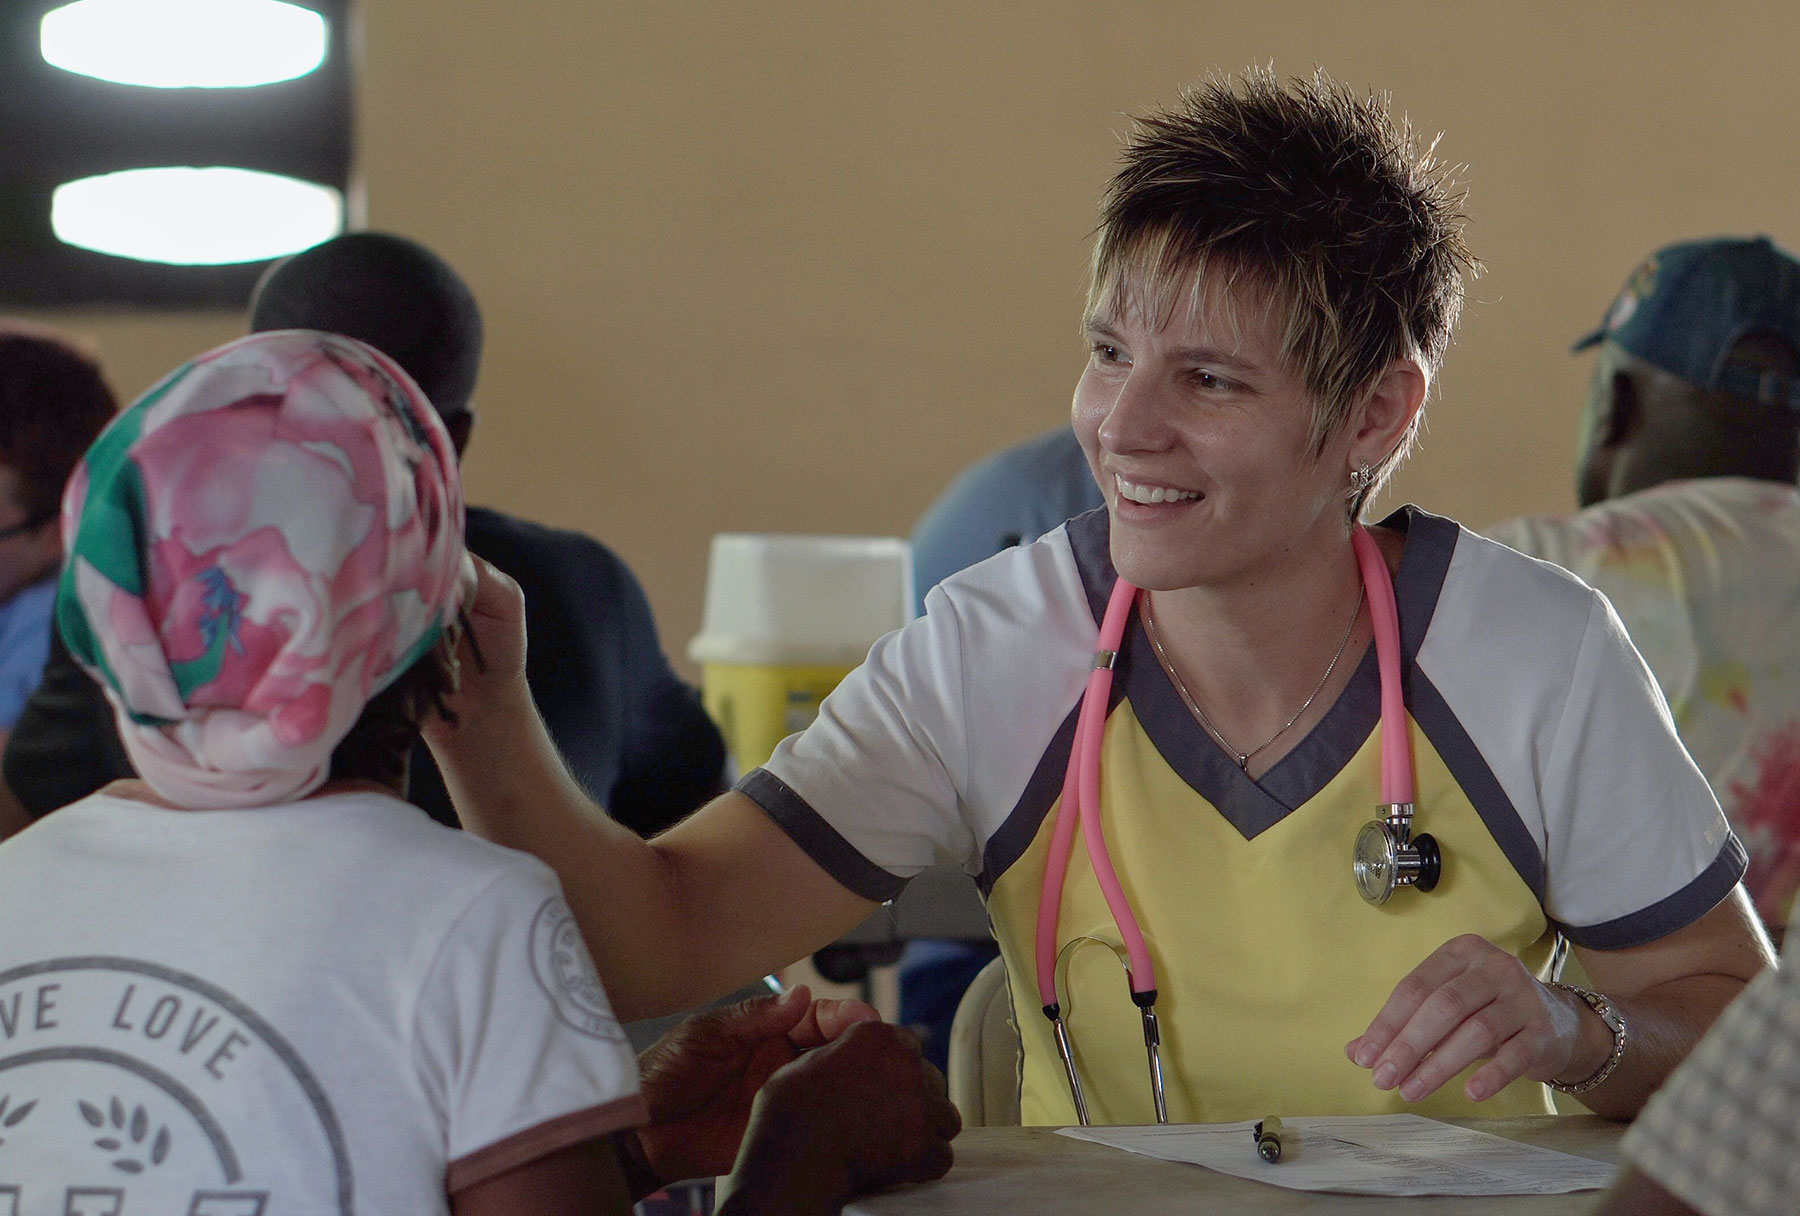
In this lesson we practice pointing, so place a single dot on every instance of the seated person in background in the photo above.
(53, 401)
(1278, 273)
(255, 976)
(1009, 498)
(631, 731)
(1691, 522)
(1722, 1137)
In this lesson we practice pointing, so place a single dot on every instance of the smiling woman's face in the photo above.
(1200, 438)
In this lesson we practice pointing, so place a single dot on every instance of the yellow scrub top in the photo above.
(1546, 767)
(1268, 961)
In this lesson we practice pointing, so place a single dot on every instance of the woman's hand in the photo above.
(491, 658)
(1469, 1001)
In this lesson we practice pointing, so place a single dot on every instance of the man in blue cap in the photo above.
(1691, 521)
(1010, 497)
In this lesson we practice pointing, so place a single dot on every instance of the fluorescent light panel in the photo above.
(174, 44)
(195, 217)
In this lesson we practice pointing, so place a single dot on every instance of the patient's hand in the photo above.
(862, 1113)
(700, 1079)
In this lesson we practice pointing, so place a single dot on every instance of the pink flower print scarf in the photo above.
(256, 547)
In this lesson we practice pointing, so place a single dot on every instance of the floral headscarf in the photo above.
(259, 545)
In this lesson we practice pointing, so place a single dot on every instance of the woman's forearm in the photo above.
(1669, 992)
(509, 785)
(713, 903)
(1662, 1026)
(509, 782)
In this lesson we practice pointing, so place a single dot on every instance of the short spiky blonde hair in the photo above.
(1317, 202)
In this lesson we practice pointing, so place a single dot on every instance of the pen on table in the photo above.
(1268, 1139)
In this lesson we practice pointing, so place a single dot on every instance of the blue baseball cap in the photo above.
(1686, 305)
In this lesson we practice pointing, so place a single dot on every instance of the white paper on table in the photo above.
(1366, 1155)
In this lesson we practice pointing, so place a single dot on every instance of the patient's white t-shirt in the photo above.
(332, 1006)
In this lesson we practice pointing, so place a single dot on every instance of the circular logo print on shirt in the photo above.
(559, 960)
(130, 1087)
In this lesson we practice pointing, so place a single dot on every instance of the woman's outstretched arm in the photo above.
(711, 904)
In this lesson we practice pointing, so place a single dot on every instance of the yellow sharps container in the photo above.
(786, 618)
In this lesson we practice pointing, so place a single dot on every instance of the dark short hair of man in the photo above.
(54, 401)
(1308, 195)
(394, 294)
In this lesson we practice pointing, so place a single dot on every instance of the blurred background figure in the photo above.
(53, 401)
(630, 730)
(1009, 498)
(1691, 521)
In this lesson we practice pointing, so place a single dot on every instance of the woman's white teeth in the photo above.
(1151, 495)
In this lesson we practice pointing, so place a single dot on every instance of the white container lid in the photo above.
(790, 600)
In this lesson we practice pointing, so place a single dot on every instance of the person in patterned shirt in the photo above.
(1722, 1137)
(1691, 521)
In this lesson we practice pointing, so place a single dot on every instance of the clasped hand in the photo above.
(1469, 1001)
(835, 1101)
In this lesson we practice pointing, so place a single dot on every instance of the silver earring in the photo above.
(1361, 478)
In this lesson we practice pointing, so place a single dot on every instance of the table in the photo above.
(1032, 1169)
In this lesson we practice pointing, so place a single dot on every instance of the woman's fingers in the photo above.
(1410, 994)
(1476, 1037)
(1463, 1015)
(1468, 1001)
(828, 1018)
(1514, 1060)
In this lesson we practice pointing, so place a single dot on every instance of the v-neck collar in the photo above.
(1253, 806)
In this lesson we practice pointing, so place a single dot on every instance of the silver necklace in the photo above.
(1243, 758)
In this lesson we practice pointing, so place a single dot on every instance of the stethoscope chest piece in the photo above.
(1388, 856)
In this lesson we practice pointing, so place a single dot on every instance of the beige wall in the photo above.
(788, 266)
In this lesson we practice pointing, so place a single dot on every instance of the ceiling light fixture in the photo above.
(173, 44)
(195, 217)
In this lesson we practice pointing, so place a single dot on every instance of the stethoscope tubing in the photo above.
(1081, 781)
(1081, 790)
(1384, 615)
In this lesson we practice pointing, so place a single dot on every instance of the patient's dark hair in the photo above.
(380, 743)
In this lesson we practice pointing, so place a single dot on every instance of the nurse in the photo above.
(1277, 276)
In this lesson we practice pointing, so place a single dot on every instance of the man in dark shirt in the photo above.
(630, 731)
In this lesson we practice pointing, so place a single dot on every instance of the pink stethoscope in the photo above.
(1386, 855)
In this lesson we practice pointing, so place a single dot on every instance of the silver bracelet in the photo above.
(1615, 1022)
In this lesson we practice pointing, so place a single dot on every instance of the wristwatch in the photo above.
(1615, 1022)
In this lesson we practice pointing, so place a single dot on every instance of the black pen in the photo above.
(1268, 1139)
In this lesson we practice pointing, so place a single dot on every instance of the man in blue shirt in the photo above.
(1009, 498)
(53, 402)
